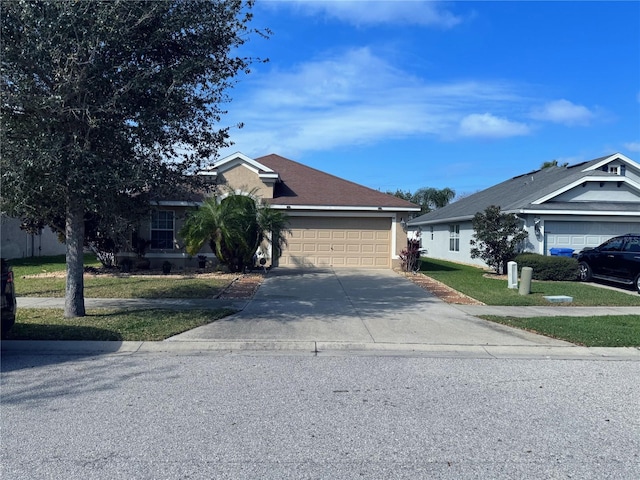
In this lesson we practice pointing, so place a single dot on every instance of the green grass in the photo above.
(109, 324)
(47, 264)
(470, 281)
(601, 331)
(105, 286)
(142, 286)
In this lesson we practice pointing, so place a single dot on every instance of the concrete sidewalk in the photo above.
(344, 312)
(164, 303)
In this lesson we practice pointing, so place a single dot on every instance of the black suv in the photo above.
(8, 298)
(616, 260)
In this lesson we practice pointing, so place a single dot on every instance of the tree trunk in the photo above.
(74, 233)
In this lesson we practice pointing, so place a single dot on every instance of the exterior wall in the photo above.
(246, 179)
(435, 239)
(16, 243)
(178, 255)
(593, 192)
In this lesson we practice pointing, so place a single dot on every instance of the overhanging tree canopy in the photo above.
(108, 99)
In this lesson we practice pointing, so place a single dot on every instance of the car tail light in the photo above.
(9, 276)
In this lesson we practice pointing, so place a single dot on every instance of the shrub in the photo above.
(409, 256)
(549, 267)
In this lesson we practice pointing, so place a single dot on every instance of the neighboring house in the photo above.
(573, 207)
(16, 243)
(333, 222)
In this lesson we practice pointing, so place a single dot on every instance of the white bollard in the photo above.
(512, 274)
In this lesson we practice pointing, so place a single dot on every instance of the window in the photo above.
(454, 238)
(614, 169)
(162, 222)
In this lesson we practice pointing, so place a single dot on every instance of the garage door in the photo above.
(338, 242)
(578, 235)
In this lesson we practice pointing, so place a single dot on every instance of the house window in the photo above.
(162, 222)
(454, 238)
(615, 169)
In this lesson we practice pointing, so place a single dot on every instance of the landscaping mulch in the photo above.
(243, 286)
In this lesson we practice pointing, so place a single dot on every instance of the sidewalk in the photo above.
(459, 334)
(241, 303)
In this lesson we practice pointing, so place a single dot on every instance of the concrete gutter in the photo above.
(91, 348)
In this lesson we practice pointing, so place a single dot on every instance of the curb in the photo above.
(320, 348)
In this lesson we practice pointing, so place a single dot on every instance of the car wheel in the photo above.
(637, 283)
(584, 272)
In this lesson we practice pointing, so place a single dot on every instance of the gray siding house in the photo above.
(572, 206)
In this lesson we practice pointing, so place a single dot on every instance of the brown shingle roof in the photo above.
(303, 185)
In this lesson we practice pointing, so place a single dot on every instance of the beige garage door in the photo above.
(338, 242)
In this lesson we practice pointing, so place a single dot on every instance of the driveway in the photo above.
(356, 306)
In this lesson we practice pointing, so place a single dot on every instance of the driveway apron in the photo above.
(355, 306)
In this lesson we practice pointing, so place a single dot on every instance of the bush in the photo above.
(549, 267)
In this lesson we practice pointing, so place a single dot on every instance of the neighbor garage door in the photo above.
(578, 235)
(338, 242)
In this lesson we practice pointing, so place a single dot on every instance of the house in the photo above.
(572, 207)
(333, 222)
(17, 243)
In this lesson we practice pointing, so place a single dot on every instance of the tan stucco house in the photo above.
(333, 222)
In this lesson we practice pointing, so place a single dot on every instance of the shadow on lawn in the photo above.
(429, 266)
(25, 331)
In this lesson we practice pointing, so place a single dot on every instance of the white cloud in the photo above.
(564, 112)
(632, 146)
(489, 126)
(360, 98)
(367, 12)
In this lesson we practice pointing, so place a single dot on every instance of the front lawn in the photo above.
(472, 281)
(127, 286)
(109, 324)
(601, 331)
(44, 277)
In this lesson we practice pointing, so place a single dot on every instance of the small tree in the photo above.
(235, 228)
(496, 237)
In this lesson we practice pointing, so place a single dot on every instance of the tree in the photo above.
(428, 198)
(496, 237)
(235, 227)
(552, 163)
(105, 99)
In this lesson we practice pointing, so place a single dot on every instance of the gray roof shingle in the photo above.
(519, 192)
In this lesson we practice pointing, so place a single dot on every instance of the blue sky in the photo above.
(411, 94)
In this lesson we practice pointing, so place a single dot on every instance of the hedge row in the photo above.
(549, 267)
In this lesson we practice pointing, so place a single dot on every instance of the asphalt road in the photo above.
(252, 415)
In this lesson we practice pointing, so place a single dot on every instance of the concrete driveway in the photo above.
(355, 306)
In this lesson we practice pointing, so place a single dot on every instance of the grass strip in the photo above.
(598, 331)
(109, 324)
(471, 281)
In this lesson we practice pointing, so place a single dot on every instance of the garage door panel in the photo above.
(338, 242)
(578, 235)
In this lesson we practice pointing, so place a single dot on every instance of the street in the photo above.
(296, 415)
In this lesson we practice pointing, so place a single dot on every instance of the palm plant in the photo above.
(235, 228)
